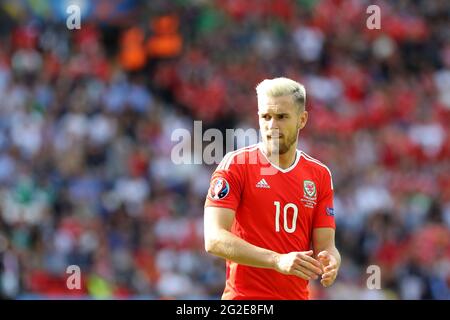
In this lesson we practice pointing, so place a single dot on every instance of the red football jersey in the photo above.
(276, 209)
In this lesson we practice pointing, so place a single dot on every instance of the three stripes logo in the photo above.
(263, 184)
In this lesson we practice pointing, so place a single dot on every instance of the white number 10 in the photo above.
(285, 218)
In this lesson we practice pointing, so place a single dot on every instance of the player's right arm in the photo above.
(221, 242)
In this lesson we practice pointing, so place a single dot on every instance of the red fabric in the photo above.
(25, 37)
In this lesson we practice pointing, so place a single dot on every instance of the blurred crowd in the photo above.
(86, 123)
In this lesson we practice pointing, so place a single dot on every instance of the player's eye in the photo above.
(265, 117)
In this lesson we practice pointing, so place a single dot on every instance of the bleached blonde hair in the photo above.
(278, 87)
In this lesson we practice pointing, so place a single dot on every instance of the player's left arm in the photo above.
(326, 252)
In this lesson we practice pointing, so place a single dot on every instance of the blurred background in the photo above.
(87, 117)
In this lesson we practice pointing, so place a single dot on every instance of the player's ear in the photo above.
(302, 119)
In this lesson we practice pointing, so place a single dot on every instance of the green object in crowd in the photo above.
(99, 288)
(308, 4)
(24, 191)
(210, 19)
(40, 7)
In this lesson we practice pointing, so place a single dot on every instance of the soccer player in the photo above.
(269, 210)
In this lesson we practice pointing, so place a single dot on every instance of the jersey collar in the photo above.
(292, 166)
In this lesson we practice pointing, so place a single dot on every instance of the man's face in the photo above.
(279, 122)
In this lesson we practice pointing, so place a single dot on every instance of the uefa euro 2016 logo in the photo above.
(219, 189)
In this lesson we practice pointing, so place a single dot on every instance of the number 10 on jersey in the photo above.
(286, 219)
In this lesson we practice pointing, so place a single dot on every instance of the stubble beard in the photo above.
(275, 147)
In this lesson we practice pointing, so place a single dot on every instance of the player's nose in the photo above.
(273, 124)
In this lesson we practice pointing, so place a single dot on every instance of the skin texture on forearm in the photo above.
(228, 246)
(323, 240)
(334, 252)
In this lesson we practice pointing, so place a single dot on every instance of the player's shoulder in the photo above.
(238, 157)
(314, 164)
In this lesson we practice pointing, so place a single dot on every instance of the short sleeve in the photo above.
(225, 187)
(324, 213)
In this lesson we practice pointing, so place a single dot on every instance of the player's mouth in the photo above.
(275, 136)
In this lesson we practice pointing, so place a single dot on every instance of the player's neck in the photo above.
(287, 159)
(284, 160)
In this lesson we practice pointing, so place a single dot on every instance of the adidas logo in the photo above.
(263, 184)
